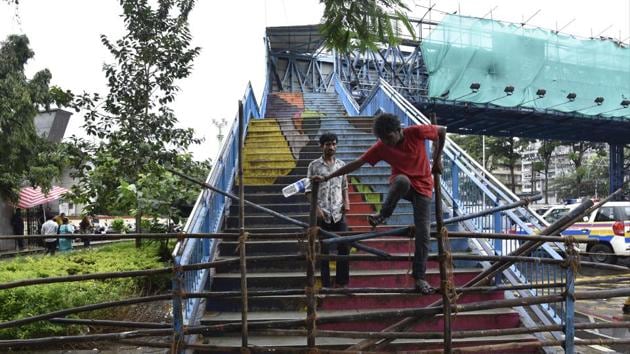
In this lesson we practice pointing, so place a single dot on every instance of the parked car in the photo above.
(554, 213)
(610, 226)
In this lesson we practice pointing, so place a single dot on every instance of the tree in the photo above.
(507, 151)
(349, 24)
(577, 155)
(135, 128)
(545, 151)
(25, 156)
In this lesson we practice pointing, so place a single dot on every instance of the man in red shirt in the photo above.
(405, 151)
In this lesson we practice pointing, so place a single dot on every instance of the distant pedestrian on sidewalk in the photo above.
(50, 227)
(332, 205)
(18, 228)
(66, 229)
(85, 228)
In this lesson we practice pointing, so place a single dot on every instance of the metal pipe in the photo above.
(311, 313)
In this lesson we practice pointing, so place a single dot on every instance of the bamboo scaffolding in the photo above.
(123, 337)
(225, 262)
(276, 214)
(426, 312)
(499, 266)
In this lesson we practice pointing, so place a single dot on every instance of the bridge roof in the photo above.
(527, 82)
(295, 39)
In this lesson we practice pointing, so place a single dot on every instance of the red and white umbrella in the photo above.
(30, 197)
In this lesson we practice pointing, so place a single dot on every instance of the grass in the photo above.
(29, 301)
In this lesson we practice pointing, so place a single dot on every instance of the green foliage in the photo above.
(25, 156)
(545, 152)
(135, 128)
(507, 151)
(119, 226)
(349, 25)
(28, 301)
(593, 179)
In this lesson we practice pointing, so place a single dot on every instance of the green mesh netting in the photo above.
(465, 50)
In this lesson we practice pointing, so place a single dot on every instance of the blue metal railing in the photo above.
(208, 212)
(469, 188)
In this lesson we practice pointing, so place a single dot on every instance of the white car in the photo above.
(610, 225)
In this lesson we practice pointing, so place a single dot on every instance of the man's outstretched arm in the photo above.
(350, 167)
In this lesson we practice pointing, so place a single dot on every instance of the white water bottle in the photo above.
(296, 187)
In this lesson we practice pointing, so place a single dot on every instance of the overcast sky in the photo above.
(65, 37)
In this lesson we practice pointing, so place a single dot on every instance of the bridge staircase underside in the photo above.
(276, 152)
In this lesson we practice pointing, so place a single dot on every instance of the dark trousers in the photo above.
(51, 247)
(400, 187)
(342, 273)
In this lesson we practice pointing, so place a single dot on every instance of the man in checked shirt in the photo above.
(332, 205)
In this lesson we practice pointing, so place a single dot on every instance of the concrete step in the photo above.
(301, 171)
(398, 345)
(254, 220)
(390, 244)
(284, 180)
(496, 318)
(341, 302)
(303, 207)
(386, 278)
(279, 266)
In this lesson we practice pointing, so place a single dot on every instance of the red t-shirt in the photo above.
(408, 158)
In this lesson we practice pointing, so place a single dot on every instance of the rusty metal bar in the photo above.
(311, 311)
(446, 276)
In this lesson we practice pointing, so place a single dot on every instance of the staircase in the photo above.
(277, 152)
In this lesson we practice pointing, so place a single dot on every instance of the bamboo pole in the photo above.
(242, 244)
(440, 335)
(358, 291)
(78, 309)
(446, 276)
(488, 211)
(109, 323)
(23, 343)
(311, 312)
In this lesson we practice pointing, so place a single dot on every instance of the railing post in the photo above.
(569, 294)
(243, 235)
(498, 243)
(313, 230)
(178, 318)
(446, 282)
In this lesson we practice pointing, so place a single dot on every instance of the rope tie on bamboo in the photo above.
(242, 239)
(572, 259)
(411, 235)
(448, 284)
(313, 230)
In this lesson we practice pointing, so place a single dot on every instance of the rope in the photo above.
(242, 239)
(572, 259)
(448, 284)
